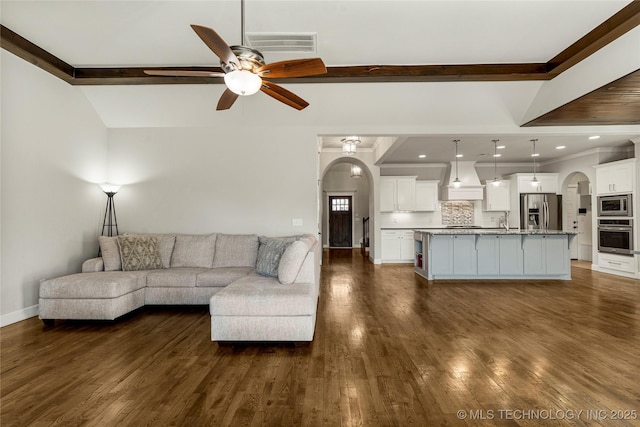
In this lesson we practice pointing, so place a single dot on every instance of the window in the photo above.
(338, 205)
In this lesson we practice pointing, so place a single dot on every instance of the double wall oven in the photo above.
(615, 224)
(615, 236)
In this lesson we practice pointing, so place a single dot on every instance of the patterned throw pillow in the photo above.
(269, 253)
(139, 253)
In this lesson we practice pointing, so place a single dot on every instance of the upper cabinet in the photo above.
(426, 195)
(615, 177)
(547, 183)
(497, 198)
(397, 193)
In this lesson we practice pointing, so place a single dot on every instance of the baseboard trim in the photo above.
(19, 315)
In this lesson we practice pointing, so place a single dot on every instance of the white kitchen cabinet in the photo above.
(547, 183)
(511, 255)
(499, 254)
(453, 255)
(545, 255)
(397, 193)
(397, 245)
(426, 196)
(615, 177)
(497, 198)
(488, 247)
(617, 262)
(464, 255)
(441, 255)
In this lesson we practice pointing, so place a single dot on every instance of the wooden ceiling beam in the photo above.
(625, 20)
(351, 74)
(23, 48)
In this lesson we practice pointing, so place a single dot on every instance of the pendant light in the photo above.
(356, 171)
(496, 180)
(534, 181)
(349, 145)
(456, 182)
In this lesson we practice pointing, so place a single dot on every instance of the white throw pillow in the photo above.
(291, 262)
(110, 253)
(194, 251)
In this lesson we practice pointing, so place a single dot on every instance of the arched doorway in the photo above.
(578, 214)
(345, 203)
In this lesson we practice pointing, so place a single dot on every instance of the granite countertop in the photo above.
(493, 231)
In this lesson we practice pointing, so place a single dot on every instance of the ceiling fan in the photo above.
(244, 69)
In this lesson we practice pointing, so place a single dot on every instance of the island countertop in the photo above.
(472, 253)
(448, 231)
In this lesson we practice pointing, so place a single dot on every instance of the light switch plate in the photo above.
(296, 222)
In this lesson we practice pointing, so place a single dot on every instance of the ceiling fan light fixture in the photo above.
(243, 82)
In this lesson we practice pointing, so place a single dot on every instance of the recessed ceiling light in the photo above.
(535, 155)
(594, 137)
(560, 147)
(422, 156)
(459, 155)
(497, 155)
(500, 147)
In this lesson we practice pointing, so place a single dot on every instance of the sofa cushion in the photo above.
(174, 277)
(194, 251)
(110, 253)
(221, 276)
(166, 243)
(106, 284)
(236, 250)
(269, 254)
(263, 296)
(291, 261)
(139, 253)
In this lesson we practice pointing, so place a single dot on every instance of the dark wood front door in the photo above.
(340, 209)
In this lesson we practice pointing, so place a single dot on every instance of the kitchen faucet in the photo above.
(506, 220)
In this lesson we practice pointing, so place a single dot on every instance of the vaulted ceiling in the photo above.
(111, 42)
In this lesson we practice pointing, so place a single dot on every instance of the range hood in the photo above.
(470, 189)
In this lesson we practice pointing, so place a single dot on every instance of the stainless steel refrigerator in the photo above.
(540, 211)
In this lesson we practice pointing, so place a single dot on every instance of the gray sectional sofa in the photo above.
(257, 288)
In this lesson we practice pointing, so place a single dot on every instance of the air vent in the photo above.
(282, 42)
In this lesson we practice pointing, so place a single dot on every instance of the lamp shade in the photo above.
(243, 82)
(356, 171)
(110, 188)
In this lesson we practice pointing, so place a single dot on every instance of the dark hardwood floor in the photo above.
(390, 349)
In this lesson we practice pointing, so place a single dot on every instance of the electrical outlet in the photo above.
(296, 222)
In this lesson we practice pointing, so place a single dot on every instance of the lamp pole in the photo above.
(110, 220)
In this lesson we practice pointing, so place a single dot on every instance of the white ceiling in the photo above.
(146, 33)
(157, 33)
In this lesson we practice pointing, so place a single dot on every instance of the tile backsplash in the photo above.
(458, 213)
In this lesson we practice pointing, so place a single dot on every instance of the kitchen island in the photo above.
(492, 254)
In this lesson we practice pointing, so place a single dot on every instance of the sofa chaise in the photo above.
(257, 288)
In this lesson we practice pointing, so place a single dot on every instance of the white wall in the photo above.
(53, 152)
(218, 179)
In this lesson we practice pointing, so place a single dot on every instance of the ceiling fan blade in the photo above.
(226, 100)
(283, 95)
(293, 68)
(184, 73)
(216, 44)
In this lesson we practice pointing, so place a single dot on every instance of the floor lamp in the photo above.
(110, 222)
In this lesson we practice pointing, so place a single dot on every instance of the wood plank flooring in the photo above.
(390, 349)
